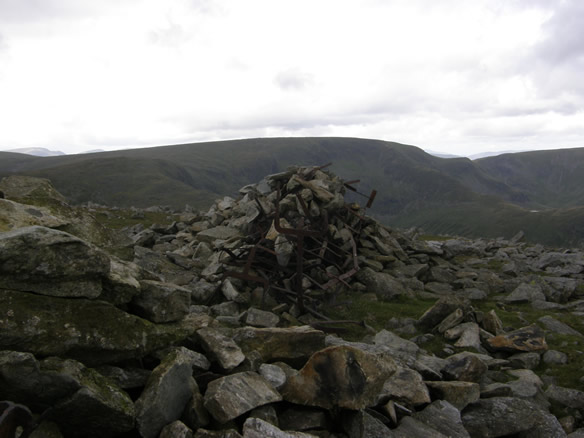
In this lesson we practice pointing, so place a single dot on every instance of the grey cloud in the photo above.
(205, 6)
(293, 79)
(32, 11)
(564, 41)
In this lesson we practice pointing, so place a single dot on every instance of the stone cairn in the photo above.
(218, 327)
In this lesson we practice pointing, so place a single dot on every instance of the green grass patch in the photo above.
(118, 219)
(376, 314)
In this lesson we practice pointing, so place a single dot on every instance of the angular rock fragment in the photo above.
(508, 416)
(440, 310)
(229, 397)
(221, 348)
(169, 388)
(362, 424)
(258, 428)
(465, 367)
(176, 429)
(406, 387)
(458, 394)
(162, 302)
(261, 318)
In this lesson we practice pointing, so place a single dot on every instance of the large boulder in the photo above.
(42, 200)
(14, 215)
(80, 400)
(51, 262)
(94, 332)
(342, 376)
(510, 416)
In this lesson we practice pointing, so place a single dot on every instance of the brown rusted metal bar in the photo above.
(371, 198)
(12, 416)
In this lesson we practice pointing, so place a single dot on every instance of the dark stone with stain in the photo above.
(340, 376)
(530, 338)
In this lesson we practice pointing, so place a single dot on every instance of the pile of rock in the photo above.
(168, 345)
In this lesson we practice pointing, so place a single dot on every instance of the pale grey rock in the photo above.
(496, 390)
(169, 388)
(381, 284)
(121, 283)
(224, 433)
(220, 348)
(467, 335)
(524, 360)
(176, 429)
(284, 250)
(260, 318)
(556, 326)
(525, 292)
(162, 302)
(554, 357)
(273, 374)
(229, 397)
(465, 366)
(438, 288)
(440, 310)
(202, 291)
(406, 387)
(450, 321)
(231, 293)
(458, 394)
(51, 262)
(569, 397)
(444, 418)
(395, 343)
(506, 416)
(218, 233)
(441, 275)
(92, 331)
(258, 428)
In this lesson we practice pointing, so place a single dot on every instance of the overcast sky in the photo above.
(454, 76)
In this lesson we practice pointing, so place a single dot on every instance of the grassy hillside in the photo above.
(489, 197)
(550, 178)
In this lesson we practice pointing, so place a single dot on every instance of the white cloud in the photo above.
(452, 76)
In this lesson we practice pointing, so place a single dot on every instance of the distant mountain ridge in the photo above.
(489, 197)
(38, 152)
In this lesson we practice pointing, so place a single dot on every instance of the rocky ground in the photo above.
(283, 313)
